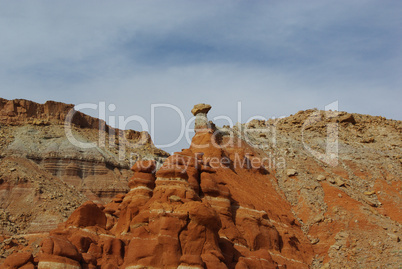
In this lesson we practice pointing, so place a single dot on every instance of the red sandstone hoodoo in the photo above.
(208, 207)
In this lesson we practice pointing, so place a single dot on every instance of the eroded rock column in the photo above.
(200, 112)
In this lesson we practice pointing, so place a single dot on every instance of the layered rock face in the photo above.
(253, 196)
(199, 210)
(42, 169)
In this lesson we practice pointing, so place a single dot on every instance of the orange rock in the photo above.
(60, 246)
(173, 171)
(142, 179)
(113, 252)
(47, 261)
(258, 259)
(17, 260)
(81, 242)
(148, 166)
(89, 214)
(28, 266)
(89, 258)
(215, 205)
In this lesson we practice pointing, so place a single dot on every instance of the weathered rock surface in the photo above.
(185, 215)
(200, 108)
(44, 176)
(200, 112)
(348, 204)
(239, 199)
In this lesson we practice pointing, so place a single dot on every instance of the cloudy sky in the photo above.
(275, 57)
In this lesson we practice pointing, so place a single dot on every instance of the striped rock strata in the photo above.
(44, 176)
(199, 210)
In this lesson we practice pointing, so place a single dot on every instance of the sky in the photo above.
(271, 58)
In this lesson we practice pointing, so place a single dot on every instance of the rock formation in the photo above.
(250, 196)
(200, 112)
(349, 209)
(44, 177)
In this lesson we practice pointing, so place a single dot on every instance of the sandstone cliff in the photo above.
(254, 196)
(44, 177)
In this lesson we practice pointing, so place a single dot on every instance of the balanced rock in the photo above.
(201, 120)
(201, 108)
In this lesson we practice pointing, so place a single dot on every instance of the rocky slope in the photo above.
(44, 177)
(349, 206)
(254, 196)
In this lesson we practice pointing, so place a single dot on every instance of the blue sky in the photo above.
(276, 57)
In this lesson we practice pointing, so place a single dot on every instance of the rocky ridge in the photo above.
(39, 162)
(196, 211)
(350, 209)
(253, 196)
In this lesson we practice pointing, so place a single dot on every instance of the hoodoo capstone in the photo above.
(201, 108)
(200, 112)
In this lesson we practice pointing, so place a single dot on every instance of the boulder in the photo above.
(89, 214)
(201, 108)
(17, 260)
(347, 118)
(291, 172)
(60, 246)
